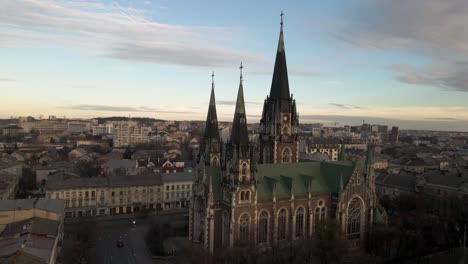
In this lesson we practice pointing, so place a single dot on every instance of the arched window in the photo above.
(282, 224)
(323, 213)
(242, 196)
(247, 195)
(226, 228)
(263, 228)
(266, 154)
(286, 155)
(300, 222)
(244, 172)
(244, 226)
(316, 219)
(354, 219)
(214, 161)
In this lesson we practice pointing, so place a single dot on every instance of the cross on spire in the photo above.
(212, 78)
(282, 14)
(241, 67)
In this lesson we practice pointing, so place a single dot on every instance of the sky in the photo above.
(397, 62)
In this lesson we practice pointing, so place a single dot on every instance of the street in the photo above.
(109, 231)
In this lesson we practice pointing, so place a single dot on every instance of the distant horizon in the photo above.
(340, 121)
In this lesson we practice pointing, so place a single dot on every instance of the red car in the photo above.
(120, 243)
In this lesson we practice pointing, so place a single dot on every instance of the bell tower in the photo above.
(279, 142)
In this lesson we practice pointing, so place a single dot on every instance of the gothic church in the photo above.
(260, 195)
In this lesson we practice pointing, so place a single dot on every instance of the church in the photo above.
(259, 195)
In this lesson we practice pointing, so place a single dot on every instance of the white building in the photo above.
(130, 133)
(99, 130)
(177, 189)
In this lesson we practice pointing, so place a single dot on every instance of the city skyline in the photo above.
(154, 59)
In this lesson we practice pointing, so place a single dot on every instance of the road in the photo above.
(134, 251)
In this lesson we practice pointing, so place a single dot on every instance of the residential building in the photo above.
(8, 185)
(31, 230)
(99, 130)
(331, 150)
(100, 196)
(177, 189)
(130, 133)
(79, 127)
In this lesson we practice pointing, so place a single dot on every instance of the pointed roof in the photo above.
(211, 127)
(239, 134)
(280, 83)
(342, 156)
(369, 158)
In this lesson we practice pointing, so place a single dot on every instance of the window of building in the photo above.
(215, 161)
(300, 222)
(282, 224)
(354, 219)
(178, 186)
(86, 194)
(263, 228)
(112, 194)
(172, 187)
(167, 187)
(120, 193)
(316, 219)
(93, 194)
(188, 194)
(226, 228)
(244, 172)
(286, 155)
(244, 226)
(182, 186)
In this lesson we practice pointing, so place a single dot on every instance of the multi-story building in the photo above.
(79, 127)
(99, 130)
(31, 230)
(331, 150)
(45, 126)
(8, 185)
(177, 189)
(130, 133)
(239, 203)
(99, 196)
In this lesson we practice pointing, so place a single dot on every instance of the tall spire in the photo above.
(342, 156)
(211, 128)
(369, 158)
(239, 133)
(280, 83)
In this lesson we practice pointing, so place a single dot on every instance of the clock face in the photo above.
(285, 118)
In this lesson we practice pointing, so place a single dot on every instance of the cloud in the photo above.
(449, 119)
(229, 102)
(116, 32)
(345, 106)
(7, 80)
(433, 29)
(293, 72)
(108, 108)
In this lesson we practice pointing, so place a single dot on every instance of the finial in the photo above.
(282, 14)
(212, 78)
(241, 67)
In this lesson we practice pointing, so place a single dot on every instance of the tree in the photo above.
(128, 153)
(88, 169)
(329, 243)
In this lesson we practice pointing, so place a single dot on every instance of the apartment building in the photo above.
(130, 133)
(177, 189)
(99, 196)
(31, 230)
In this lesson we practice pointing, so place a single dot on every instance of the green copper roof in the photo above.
(239, 133)
(280, 83)
(342, 156)
(378, 218)
(369, 159)
(298, 178)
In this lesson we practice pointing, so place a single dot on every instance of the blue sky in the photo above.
(382, 60)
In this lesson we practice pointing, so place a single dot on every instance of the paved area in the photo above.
(110, 230)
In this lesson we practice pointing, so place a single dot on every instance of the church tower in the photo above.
(238, 149)
(211, 143)
(279, 142)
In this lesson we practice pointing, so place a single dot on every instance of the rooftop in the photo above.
(46, 204)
